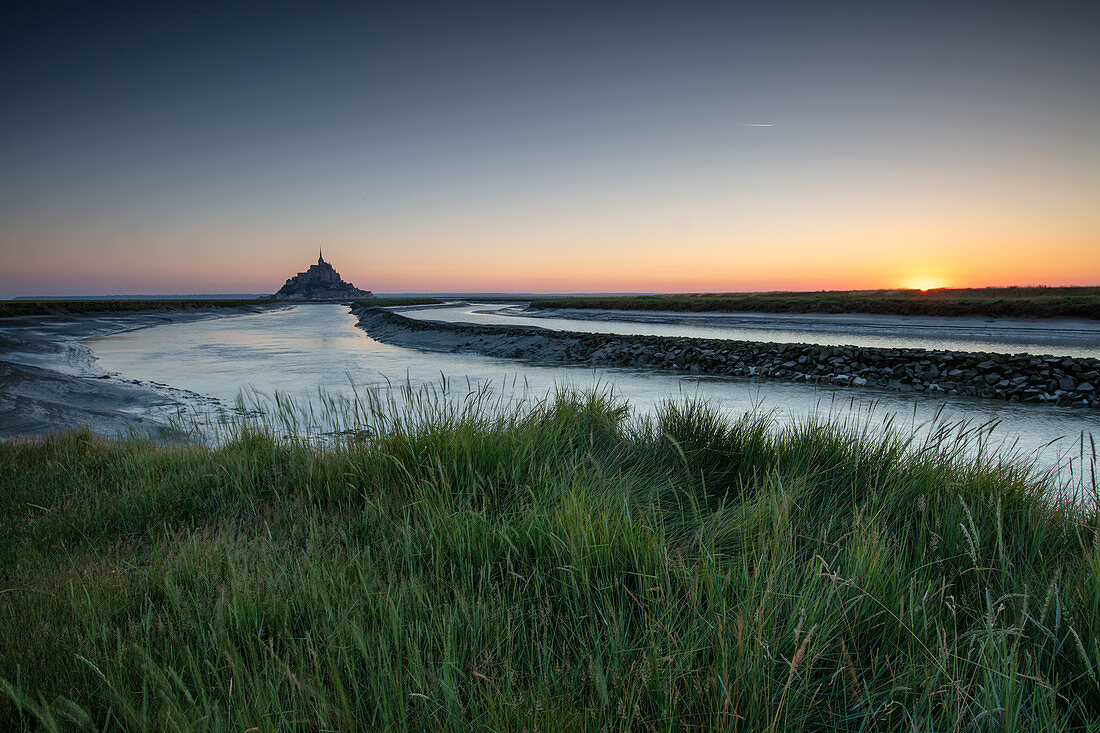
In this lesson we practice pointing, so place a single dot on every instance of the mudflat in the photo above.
(50, 381)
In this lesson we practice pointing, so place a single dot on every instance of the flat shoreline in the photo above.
(49, 380)
(1012, 302)
(1012, 377)
(1017, 334)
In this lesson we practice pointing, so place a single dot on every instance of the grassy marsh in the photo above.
(559, 564)
(388, 301)
(10, 308)
(1012, 302)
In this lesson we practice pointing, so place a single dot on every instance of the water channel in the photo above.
(312, 350)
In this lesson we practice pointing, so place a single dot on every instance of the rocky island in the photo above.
(319, 282)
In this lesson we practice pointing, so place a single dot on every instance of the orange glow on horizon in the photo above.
(924, 284)
(182, 262)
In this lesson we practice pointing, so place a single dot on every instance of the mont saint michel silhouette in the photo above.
(319, 282)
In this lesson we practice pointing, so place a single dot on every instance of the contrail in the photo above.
(757, 124)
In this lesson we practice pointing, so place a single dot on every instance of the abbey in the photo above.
(319, 282)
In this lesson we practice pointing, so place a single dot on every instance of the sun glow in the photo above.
(923, 284)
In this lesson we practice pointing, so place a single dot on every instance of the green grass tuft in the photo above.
(557, 565)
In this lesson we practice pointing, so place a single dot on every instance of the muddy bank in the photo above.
(49, 380)
(35, 401)
(1019, 377)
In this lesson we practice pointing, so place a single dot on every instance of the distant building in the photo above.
(319, 282)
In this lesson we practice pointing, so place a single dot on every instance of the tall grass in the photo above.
(554, 564)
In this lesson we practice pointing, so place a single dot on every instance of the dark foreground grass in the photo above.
(560, 567)
(1015, 302)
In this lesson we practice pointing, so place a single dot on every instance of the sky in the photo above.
(550, 147)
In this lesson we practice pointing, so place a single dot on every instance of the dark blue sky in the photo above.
(564, 146)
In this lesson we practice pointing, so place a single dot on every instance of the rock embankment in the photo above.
(1016, 377)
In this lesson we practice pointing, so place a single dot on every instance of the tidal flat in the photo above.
(50, 379)
(560, 565)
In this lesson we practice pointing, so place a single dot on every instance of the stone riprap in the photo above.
(1016, 377)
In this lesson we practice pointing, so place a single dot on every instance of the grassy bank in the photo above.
(386, 302)
(1029, 302)
(561, 566)
(54, 307)
(51, 307)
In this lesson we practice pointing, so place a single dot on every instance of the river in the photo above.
(1059, 336)
(317, 348)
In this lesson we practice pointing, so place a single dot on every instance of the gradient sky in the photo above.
(569, 146)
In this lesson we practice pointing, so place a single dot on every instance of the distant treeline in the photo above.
(50, 307)
(1023, 302)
